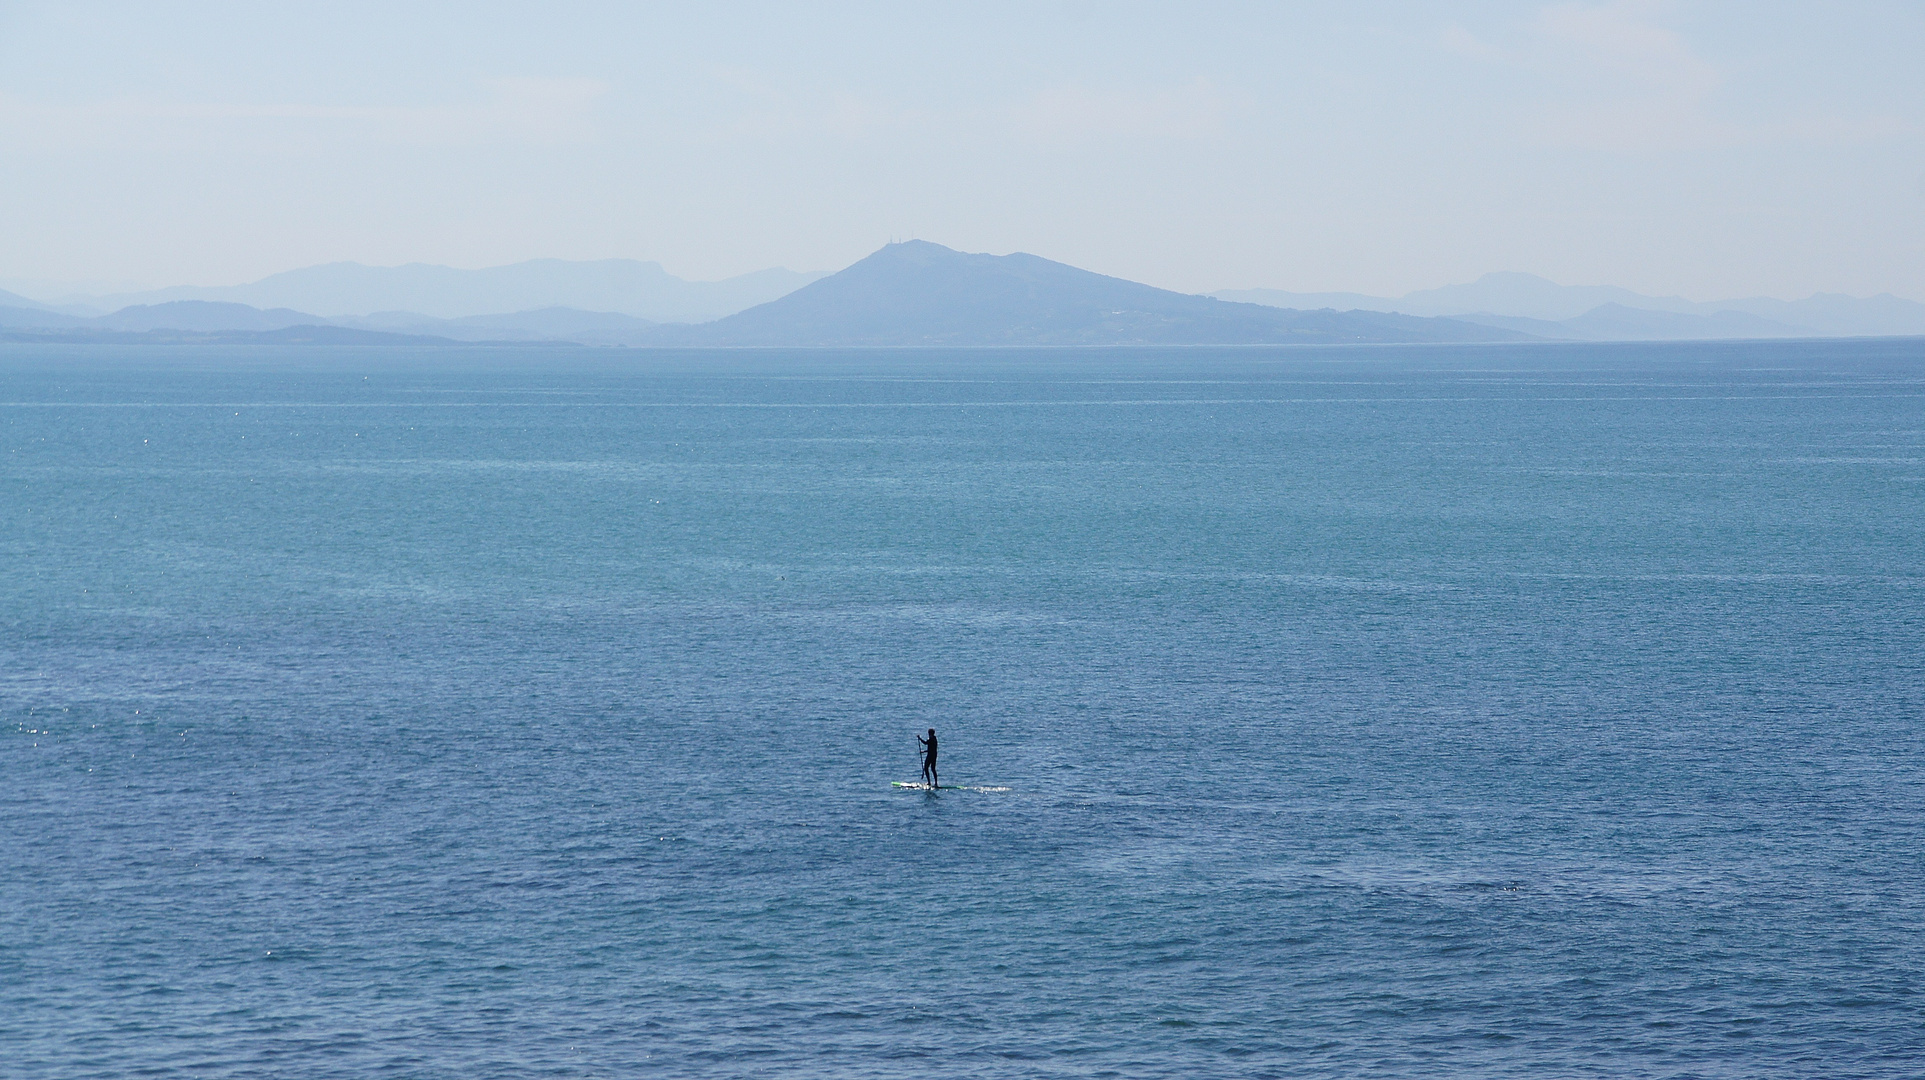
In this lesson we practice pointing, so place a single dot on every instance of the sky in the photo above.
(1708, 150)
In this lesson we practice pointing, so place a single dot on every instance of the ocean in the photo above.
(1482, 711)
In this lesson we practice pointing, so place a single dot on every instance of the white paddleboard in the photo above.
(906, 785)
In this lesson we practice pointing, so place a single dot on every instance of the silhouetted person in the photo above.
(928, 759)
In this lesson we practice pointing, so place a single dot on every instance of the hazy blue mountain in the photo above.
(337, 335)
(15, 300)
(1533, 297)
(545, 324)
(1309, 301)
(1503, 299)
(919, 293)
(1544, 328)
(639, 289)
(559, 323)
(287, 335)
(1511, 295)
(1615, 322)
(195, 319)
(1835, 313)
(11, 316)
(202, 315)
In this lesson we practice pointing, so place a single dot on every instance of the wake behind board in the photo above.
(946, 787)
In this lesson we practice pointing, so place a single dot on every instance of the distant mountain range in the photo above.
(291, 335)
(210, 322)
(908, 294)
(1533, 305)
(543, 324)
(919, 293)
(638, 289)
(15, 300)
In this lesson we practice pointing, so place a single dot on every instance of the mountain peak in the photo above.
(920, 293)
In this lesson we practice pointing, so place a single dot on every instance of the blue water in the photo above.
(1426, 712)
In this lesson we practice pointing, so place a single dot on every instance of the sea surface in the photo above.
(1498, 711)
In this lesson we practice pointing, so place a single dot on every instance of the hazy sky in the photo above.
(1706, 149)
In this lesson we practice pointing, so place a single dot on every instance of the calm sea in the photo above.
(1406, 712)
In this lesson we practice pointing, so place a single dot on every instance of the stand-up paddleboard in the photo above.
(946, 787)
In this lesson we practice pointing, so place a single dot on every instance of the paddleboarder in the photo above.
(928, 747)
